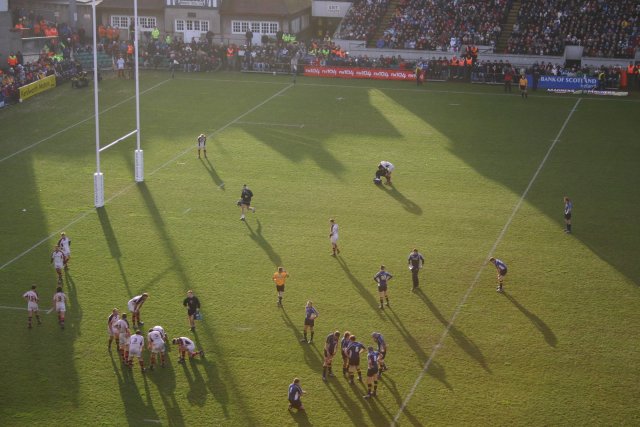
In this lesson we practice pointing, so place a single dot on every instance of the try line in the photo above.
(463, 301)
(128, 187)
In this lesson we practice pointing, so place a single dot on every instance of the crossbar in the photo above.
(118, 140)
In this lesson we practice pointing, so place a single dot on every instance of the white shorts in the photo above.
(32, 306)
(60, 306)
(123, 339)
(190, 348)
(112, 331)
(202, 146)
(131, 306)
(58, 265)
(137, 352)
(67, 253)
(334, 239)
(157, 348)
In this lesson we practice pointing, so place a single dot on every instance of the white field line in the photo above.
(288, 125)
(28, 147)
(463, 301)
(128, 187)
(6, 307)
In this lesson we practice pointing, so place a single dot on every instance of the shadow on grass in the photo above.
(366, 295)
(136, 411)
(165, 381)
(390, 386)
(212, 171)
(73, 317)
(407, 204)
(458, 336)
(300, 417)
(440, 374)
(547, 333)
(296, 146)
(257, 237)
(112, 242)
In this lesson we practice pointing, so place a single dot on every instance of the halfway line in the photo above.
(477, 278)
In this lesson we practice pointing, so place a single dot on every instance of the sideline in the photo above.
(131, 185)
(35, 144)
(463, 301)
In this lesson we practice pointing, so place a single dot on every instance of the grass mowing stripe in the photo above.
(35, 144)
(126, 188)
(462, 302)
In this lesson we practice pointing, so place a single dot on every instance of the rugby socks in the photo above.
(375, 387)
(387, 298)
(305, 335)
(29, 322)
(38, 319)
(311, 337)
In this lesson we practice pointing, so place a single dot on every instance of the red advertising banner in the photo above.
(358, 73)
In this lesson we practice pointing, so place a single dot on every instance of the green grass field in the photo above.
(560, 347)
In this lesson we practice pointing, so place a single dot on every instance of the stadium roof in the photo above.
(263, 7)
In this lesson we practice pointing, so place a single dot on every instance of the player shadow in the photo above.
(440, 375)
(73, 317)
(458, 336)
(364, 293)
(257, 237)
(547, 333)
(312, 356)
(197, 394)
(300, 417)
(218, 384)
(135, 408)
(344, 399)
(214, 175)
(407, 204)
(112, 242)
(390, 386)
(165, 381)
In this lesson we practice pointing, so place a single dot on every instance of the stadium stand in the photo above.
(362, 19)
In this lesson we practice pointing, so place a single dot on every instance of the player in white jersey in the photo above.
(388, 167)
(185, 344)
(111, 325)
(333, 235)
(32, 304)
(202, 144)
(57, 259)
(136, 344)
(160, 329)
(65, 246)
(134, 305)
(156, 345)
(122, 334)
(60, 303)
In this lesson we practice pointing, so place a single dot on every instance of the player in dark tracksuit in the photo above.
(416, 261)
(568, 207)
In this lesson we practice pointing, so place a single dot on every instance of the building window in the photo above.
(122, 22)
(204, 26)
(241, 27)
(179, 25)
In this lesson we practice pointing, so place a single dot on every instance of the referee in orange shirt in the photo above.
(279, 277)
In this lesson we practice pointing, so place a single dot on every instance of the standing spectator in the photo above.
(186, 345)
(523, 86)
(382, 278)
(333, 236)
(372, 373)
(245, 201)
(354, 350)
(59, 302)
(193, 307)
(330, 349)
(202, 145)
(156, 346)
(345, 342)
(295, 395)
(382, 351)
(65, 246)
(120, 66)
(136, 344)
(279, 278)
(111, 325)
(57, 259)
(32, 305)
(122, 334)
(416, 261)
(134, 305)
(310, 315)
(568, 207)
(155, 34)
(249, 38)
(502, 271)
